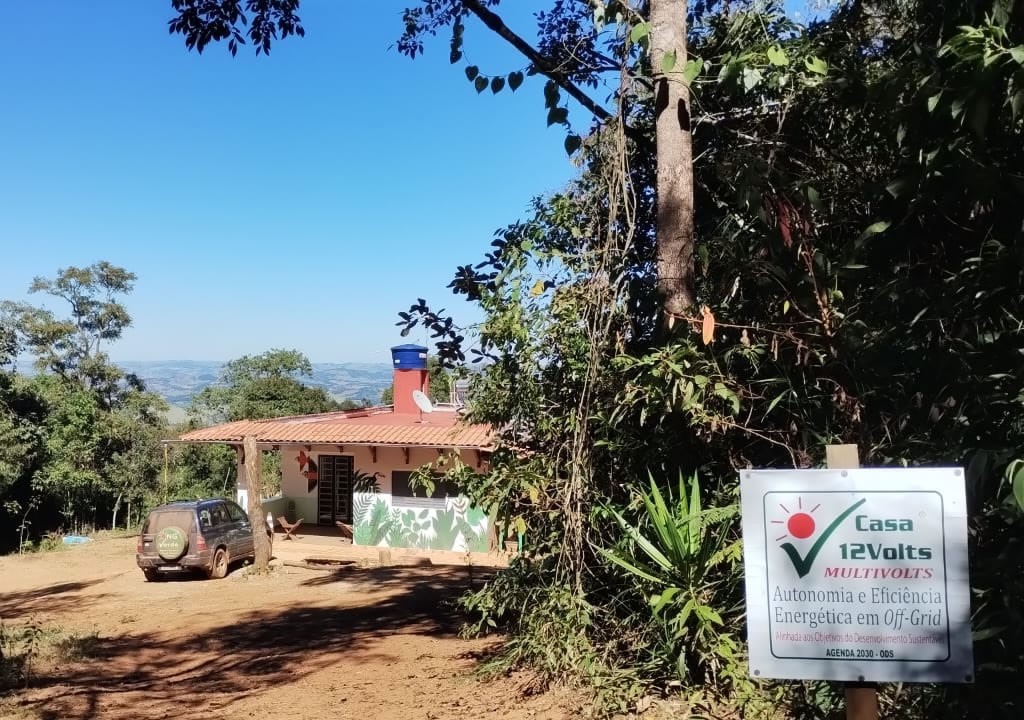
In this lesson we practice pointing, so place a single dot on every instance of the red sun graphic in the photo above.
(799, 524)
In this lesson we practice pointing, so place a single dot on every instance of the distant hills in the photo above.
(178, 380)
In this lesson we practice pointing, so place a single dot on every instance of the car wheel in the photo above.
(152, 575)
(219, 569)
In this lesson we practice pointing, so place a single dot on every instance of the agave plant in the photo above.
(686, 554)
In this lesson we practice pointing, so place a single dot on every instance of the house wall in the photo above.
(275, 506)
(381, 519)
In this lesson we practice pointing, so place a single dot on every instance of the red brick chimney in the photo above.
(410, 373)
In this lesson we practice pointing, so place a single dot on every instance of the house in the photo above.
(354, 467)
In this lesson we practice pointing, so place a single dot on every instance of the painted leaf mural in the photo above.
(454, 526)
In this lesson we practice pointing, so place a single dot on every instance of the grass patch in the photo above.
(77, 647)
(50, 542)
(24, 648)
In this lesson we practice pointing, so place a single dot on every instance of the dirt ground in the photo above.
(364, 643)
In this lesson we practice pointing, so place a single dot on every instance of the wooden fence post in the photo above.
(861, 697)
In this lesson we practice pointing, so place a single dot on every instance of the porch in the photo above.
(314, 542)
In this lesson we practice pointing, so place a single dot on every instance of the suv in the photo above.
(191, 535)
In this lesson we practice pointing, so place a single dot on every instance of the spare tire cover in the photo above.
(171, 543)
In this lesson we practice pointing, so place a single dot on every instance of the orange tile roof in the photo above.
(360, 427)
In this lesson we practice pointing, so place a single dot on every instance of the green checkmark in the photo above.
(803, 565)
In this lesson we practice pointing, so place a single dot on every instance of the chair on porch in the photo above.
(289, 528)
(347, 531)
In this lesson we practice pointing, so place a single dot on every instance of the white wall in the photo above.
(427, 527)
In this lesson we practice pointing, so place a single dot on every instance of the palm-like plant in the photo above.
(686, 554)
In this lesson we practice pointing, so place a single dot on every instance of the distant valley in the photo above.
(178, 380)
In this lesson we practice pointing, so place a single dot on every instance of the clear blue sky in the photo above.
(294, 201)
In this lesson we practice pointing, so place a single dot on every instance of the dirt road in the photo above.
(363, 644)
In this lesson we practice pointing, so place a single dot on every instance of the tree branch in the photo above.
(498, 26)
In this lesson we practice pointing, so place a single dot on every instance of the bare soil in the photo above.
(363, 643)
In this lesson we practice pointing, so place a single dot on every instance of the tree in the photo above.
(93, 415)
(859, 251)
(200, 470)
(134, 431)
(262, 386)
(9, 346)
(73, 348)
(22, 452)
(674, 143)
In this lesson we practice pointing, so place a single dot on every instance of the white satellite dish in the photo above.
(422, 401)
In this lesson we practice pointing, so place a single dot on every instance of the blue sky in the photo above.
(299, 200)
(294, 201)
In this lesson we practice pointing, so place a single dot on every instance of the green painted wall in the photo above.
(457, 526)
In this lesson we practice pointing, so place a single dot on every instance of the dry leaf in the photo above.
(708, 327)
(787, 235)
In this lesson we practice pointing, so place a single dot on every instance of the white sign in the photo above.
(857, 575)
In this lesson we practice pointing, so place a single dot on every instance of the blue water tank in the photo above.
(409, 357)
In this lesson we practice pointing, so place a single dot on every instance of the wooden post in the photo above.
(861, 697)
(253, 484)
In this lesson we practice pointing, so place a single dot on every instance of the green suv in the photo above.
(194, 535)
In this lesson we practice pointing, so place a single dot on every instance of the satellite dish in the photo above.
(422, 401)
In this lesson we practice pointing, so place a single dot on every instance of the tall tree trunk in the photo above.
(674, 148)
(260, 539)
(117, 506)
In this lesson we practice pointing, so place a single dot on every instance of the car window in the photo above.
(220, 515)
(205, 519)
(169, 518)
(236, 513)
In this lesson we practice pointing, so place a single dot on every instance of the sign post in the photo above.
(857, 575)
(861, 698)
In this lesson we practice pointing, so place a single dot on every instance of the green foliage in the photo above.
(688, 558)
(200, 471)
(72, 348)
(858, 187)
(18, 649)
(81, 438)
(22, 439)
(234, 20)
(261, 386)
(859, 254)
(22, 646)
(1015, 476)
(74, 448)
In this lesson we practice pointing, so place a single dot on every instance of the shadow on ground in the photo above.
(220, 666)
(52, 599)
(387, 578)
